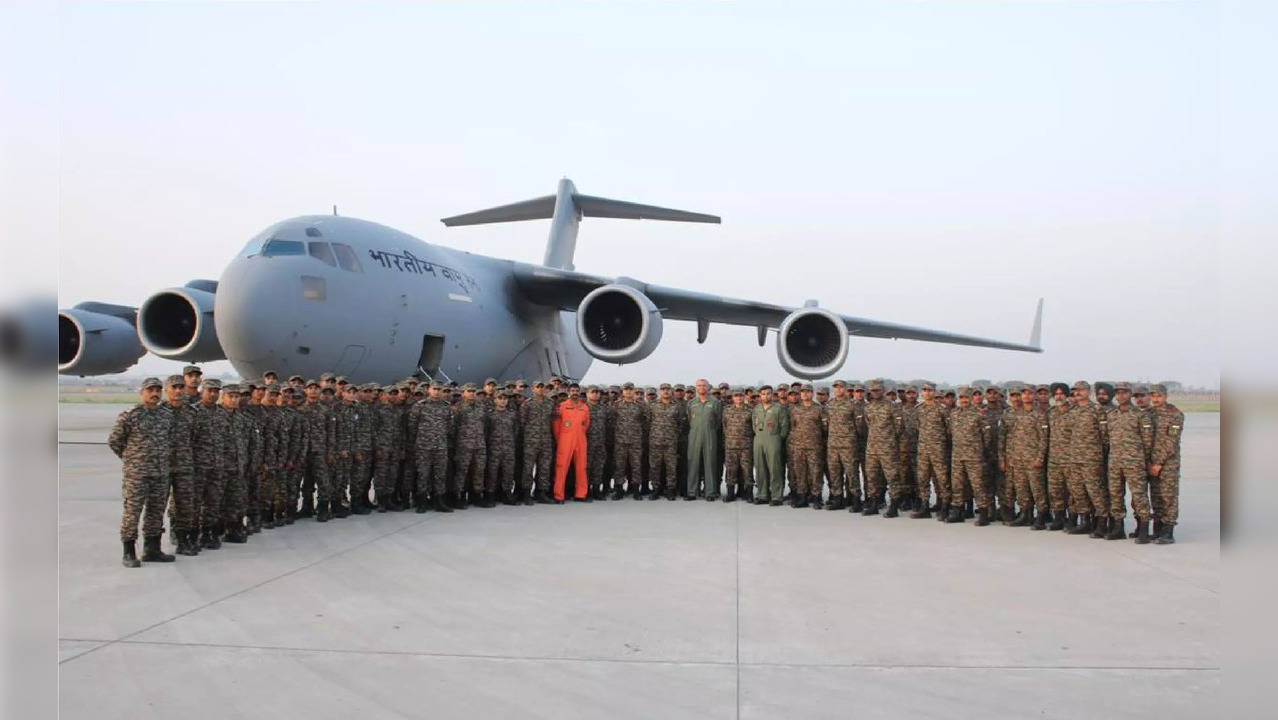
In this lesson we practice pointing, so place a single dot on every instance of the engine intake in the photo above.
(812, 343)
(618, 324)
(95, 343)
(177, 324)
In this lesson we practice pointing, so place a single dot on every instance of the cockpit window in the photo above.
(274, 248)
(322, 252)
(346, 257)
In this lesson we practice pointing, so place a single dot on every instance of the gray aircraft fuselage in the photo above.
(299, 314)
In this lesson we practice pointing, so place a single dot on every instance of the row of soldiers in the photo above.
(230, 461)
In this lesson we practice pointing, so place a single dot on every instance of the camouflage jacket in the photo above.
(1088, 434)
(362, 424)
(738, 432)
(933, 426)
(600, 420)
(970, 433)
(503, 427)
(386, 427)
(665, 421)
(994, 416)
(141, 439)
(909, 428)
(805, 425)
(212, 435)
(314, 417)
(470, 421)
(236, 452)
(885, 425)
(1058, 434)
(862, 424)
(839, 418)
(1169, 422)
(434, 425)
(536, 417)
(1129, 437)
(345, 432)
(628, 423)
(1023, 438)
(182, 439)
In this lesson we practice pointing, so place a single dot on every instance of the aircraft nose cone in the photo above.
(254, 309)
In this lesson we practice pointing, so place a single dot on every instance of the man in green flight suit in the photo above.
(771, 426)
(704, 418)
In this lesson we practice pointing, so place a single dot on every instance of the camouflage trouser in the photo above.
(182, 502)
(596, 462)
(234, 497)
(144, 498)
(967, 482)
(470, 466)
(537, 456)
(1085, 494)
(1166, 493)
(627, 459)
(882, 471)
(317, 477)
(342, 477)
(501, 468)
(384, 474)
(408, 470)
(1024, 478)
(858, 476)
(1124, 473)
(738, 466)
(841, 461)
(807, 467)
(909, 474)
(432, 471)
(209, 484)
(933, 473)
(1000, 484)
(663, 463)
(265, 498)
(769, 483)
(360, 474)
(253, 478)
(1058, 485)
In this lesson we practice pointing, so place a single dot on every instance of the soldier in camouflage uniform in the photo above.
(970, 434)
(1088, 436)
(535, 420)
(239, 464)
(386, 426)
(999, 487)
(665, 420)
(315, 419)
(1164, 459)
(883, 452)
(182, 517)
(628, 433)
(597, 443)
(255, 469)
(430, 439)
(1128, 462)
(839, 421)
(212, 438)
(140, 438)
(858, 476)
(909, 445)
(806, 440)
(1058, 427)
(503, 432)
(293, 437)
(1022, 454)
(343, 412)
(470, 420)
(271, 418)
(738, 444)
(932, 467)
(771, 425)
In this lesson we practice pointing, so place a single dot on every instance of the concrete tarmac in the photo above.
(637, 610)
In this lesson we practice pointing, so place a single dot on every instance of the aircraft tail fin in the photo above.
(565, 209)
(1036, 334)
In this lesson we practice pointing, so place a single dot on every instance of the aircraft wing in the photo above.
(565, 289)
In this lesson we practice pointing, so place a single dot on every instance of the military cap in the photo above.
(192, 369)
(792, 391)
(174, 381)
(270, 372)
(538, 383)
(805, 387)
(510, 385)
(1041, 387)
(764, 386)
(627, 386)
(678, 386)
(614, 388)
(468, 386)
(211, 384)
(823, 389)
(724, 386)
(1158, 389)
(650, 390)
(490, 381)
(1012, 386)
(341, 380)
(1120, 385)
(965, 390)
(390, 389)
(1082, 385)
(152, 382)
(858, 386)
(909, 389)
(666, 386)
(977, 391)
(231, 388)
(929, 385)
(327, 376)
(273, 388)
(840, 383)
(738, 391)
(250, 386)
(1140, 389)
(948, 392)
(291, 378)
(876, 384)
(311, 382)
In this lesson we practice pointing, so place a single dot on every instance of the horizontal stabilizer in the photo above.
(587, 205)
(535, 209)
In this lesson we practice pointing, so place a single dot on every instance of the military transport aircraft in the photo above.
(322, 293)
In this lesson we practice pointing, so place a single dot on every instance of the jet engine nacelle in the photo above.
(177, 323)
(618, 324)
(812, 343)
(95, 343)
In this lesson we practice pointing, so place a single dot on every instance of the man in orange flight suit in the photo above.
(572, 417)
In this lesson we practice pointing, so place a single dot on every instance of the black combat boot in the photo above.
(289, 513)
(439, 504)
(1022, 519)
(942, 510)
(982, 517)
(1115, 530)
(340, 510)
(776, 502)
(672, 495)
(360, 506)
(525, 496)
(1058, 521)
(1158, 528)
(541, 498)
(618, 493)
(1166, 537)
(871, 507)
(463, 500)
(921, 511)
(837, 502)
(151, 551)
(308, 508)
(130, 558)
(254, 523)
(1100, 527)
(509, 498)
(1006, 515)
(213, 536)
(732, 493)
(969, 509)
(815, 502)
(322, 513)
(486, 500)
(893, 509)
(383, 503)
(1083, 527)
(712, 496)
(420, 504)
(183, 542)
(1040, 521)
(584, 499)
(855, 505)
(955, 514)
(1142, 532)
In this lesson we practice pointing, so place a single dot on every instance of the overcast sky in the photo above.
(939, 164)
